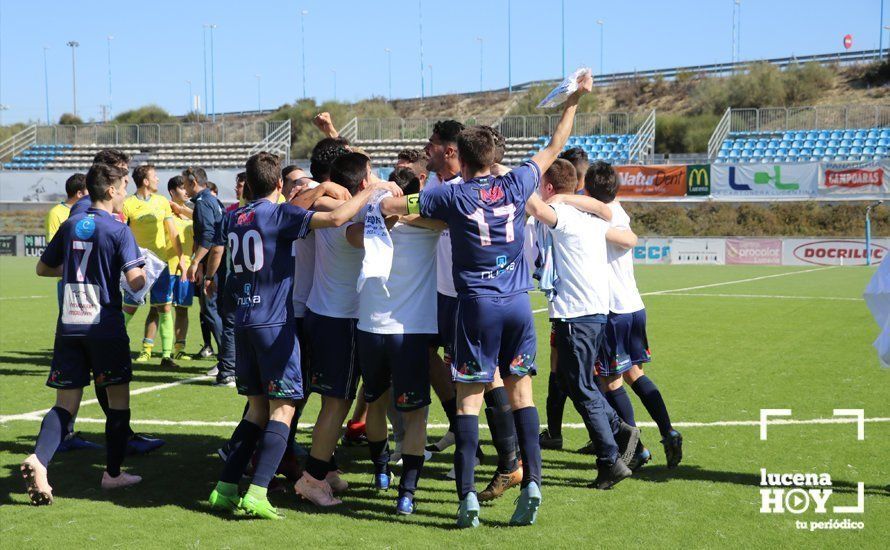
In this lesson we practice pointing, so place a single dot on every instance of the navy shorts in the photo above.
(334, 367)
(183, 292)
(625, 343)
(578, 344)
(303, 340)
(446, 309)
(267, 362)
(161, 292)
(74, 358)
(494, 332)
(397, 360)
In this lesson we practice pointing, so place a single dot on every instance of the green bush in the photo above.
(68, 118)
(683, 134)
(877, 74)
(148, 114)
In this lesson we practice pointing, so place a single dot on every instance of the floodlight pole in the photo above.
(74, 44)
(868, 230)
(46, 85)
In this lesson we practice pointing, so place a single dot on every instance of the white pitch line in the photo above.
(576, 426)
(21, 297)
(769, 296)
(38, 415)
(724, 283)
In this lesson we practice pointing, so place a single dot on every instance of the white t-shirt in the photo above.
(579, 242)
(337, 265)
(410, 307)
(444, 275)
(625, 298)
(304, 268)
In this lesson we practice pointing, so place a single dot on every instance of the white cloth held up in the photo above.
(378, 244)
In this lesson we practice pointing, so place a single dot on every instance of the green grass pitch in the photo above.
(733, 341)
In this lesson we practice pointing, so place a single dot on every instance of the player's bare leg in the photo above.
(443, 385)
(52, 430)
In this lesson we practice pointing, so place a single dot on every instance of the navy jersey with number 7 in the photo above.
(260, 238)
(93, 249)
(486, 222)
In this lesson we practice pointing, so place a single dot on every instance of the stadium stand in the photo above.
(170, 146)
(809, 134)
(614, 137)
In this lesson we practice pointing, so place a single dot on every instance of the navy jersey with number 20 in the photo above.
(486, 222)
(260, 237)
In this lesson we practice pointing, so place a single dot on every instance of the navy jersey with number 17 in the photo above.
(486, 222)
(260, 238)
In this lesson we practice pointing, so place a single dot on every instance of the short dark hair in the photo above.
(75, 184)
(175, 182)
(241, 176)
(448, 130)
(100, 177)
(410, 155)
(406, 179)
(263, 174)
(561, 175)
(288, 169)
(141, 172)
(196, 174)
(213, 188)
(323, 156)
(350, 170)
(579, 159)
(111, 157)
(500, 142)
(476, 148)
(601, 181)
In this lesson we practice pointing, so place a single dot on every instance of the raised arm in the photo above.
(308, 197)
(545, 157)
(585, 204)
(323, 122)
(350, 208)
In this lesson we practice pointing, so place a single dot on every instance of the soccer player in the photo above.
(626, 347)
(395, 324)
(407, 157)
(260, 237)
(183, 289)
(151, 221)
(578, 308)
(218, 309)
(239, 193)
(89, 252)
(330, 321)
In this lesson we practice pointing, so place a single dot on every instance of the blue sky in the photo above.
(157, 46)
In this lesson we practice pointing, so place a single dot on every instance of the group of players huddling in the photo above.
(338, 278)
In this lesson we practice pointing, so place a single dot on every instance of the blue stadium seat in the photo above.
(857, 142)
(823, 135)
(818, 152)
(796, 144)
(871, 142)
(843, 151)
(885, 133)
(846, 142)
(879, 150)
(859, 134)
(809, 143)
(855, 150)
(868, 151)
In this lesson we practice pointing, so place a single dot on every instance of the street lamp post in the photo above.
(191, 98)
(212, 77)
(303, 14)
(389, 70)
(206, 95)
(481, 42)
(868, 230)
(509, 49)
(110, 109)
(46, 84)
(563, 23)
(602, 25)
(259, 97)
(420, 24)
(74, 44)
(886, 28)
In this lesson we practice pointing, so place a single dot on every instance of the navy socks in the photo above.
(503, 430)
(466, 439)
(556, 404)
(527, 426)
(241, 447)
(271, 449)
(411, 468)
(379, 451)
(117, 432)
(648, 393)
(620, 401)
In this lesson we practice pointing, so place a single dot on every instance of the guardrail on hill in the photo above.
(168, 133)
(713, 69)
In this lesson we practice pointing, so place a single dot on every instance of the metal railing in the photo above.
(720, 133)
(643, 144)
(671, 73)
(150, 134)
(831, 117)
(532, 126)
(278, 141)
(17, 143)
(350, 129)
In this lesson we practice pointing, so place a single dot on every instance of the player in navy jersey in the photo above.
(495, 328)
(89, 252)
(267, 356)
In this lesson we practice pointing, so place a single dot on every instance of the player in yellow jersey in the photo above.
(151, 220)
(75, 188)
(183, 290)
